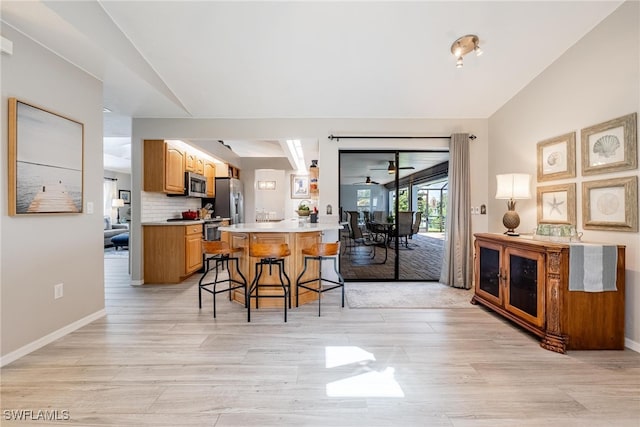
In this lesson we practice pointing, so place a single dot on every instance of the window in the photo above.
(109, 192)
(363, 200)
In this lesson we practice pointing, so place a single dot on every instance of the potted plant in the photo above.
(303, 209)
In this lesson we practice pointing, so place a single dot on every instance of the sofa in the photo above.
(111, 230)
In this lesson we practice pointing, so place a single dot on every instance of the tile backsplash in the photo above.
(160, 207)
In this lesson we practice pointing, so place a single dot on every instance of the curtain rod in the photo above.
(338, 138)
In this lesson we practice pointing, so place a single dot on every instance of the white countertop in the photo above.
(286, 226)
(185, 222)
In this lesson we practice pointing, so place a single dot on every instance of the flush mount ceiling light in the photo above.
(464, 45)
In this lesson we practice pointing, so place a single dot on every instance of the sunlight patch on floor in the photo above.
(345, 355)
(370, 384)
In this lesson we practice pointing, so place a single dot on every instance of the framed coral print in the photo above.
(610, 204)
(299, 186)
(45, 161)
(557, 204)
(557, 158)
(610, 146)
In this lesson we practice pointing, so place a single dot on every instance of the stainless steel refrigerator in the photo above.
(229, 200)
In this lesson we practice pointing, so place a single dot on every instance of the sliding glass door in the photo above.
(384, 207)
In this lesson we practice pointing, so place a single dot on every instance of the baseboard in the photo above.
(47, 339)
(632, 345)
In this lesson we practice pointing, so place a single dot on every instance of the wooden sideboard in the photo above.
(527, 282)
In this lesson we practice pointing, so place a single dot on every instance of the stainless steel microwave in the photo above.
(195, 184)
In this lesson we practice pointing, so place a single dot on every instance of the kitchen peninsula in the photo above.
(297, 235)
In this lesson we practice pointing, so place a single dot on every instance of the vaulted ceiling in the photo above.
(212, 59)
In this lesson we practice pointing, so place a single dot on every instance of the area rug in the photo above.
(111, 252)
(406, 295)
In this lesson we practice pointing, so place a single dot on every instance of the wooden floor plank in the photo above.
(158, 360)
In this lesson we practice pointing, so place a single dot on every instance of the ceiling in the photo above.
(355, 167)
(213, 59)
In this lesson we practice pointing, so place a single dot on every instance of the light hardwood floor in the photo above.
(156, 360)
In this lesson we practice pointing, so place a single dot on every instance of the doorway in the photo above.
(388, 235)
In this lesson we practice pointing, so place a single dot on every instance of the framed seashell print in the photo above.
(610, 146)
(557, 158)
(610, 204)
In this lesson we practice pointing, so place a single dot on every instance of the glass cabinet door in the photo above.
(525, 290)
(488, 265)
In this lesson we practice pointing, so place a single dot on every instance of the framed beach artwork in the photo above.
(299, 186)
(611, 146)
(45, 161)
(610, 204)
(557, 158)
(557, 204)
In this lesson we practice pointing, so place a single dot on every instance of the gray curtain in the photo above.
(457, 263)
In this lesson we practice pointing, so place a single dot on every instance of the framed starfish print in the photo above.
(557, 204)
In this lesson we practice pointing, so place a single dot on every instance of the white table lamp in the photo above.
(512, 187)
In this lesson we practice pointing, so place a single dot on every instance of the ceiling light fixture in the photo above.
(295, 149)
(464, 45)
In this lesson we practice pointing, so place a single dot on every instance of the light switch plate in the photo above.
(89, 207)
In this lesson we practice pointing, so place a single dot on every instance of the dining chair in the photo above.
(404, 227)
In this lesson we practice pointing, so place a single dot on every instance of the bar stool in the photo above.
(320, 252)
(220, 252)
(271, 254)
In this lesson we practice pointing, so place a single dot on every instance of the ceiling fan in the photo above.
(392, 167)
(368, 181)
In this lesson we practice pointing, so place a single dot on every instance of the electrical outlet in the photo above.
(58, 291)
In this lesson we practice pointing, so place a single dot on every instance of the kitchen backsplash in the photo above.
(159, 207)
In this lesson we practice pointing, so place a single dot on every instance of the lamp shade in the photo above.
(117, 203)
(513, 186)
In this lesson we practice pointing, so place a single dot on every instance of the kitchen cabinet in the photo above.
(210, 173)
(527, 282)
(199, 165)
(190, 162)
(193, 163)
(164, 167)
(171, 252)
(227, 171)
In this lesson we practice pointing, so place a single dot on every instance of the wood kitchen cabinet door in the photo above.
(193, 253)
(174, 170)
(200, 166)
(163, 167)
(210, 174)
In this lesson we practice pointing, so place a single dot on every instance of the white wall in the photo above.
(271, 202)
(39, 251)
(596, 80)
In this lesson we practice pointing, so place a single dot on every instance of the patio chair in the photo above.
(404, 227)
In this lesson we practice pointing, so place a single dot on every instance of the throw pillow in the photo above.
(107, 223)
